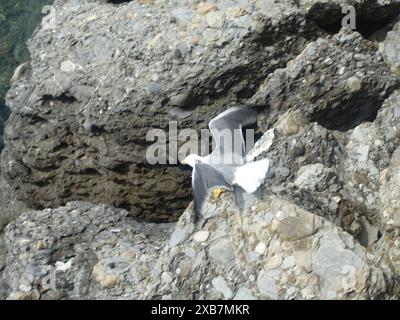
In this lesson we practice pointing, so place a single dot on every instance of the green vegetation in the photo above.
(18, 19)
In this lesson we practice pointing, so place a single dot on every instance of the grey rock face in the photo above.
(390, 214)
(335, 174)
(80, 251)
(275, 249)
(391, 48)
(81, 113)
(314, 177)
(10, 208)
(83, 106)
(325, 224)
(272, 260)
(327, 155)
(3, 285)
(338, 82)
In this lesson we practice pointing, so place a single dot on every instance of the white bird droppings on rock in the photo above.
(63, 267)
(260, 248)
(67, 66)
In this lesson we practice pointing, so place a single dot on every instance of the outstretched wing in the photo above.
(251, 175)
(226, 129)
(204, 179)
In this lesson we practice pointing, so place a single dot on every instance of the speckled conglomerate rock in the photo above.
(81, 108)
(390, 214)
(80, 251)
(390, 48)
(275, 250)
(334, 110)
(334, 174)
(338, 82)
(304, 236)
(3, 252)
(10, 208)
(272, 250)
(325, 225)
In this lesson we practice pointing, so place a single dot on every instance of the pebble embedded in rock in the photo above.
(222, 252)
(295, 228)
(206, 7)
(177, 237)
(67, 66)
(201, 236)
(266, 284)
(260, 248)
(105, 279)
(244, 293)
(354, 84)
(215, 19)
(220, 285)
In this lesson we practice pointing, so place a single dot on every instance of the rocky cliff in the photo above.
(18, 19)
(103, 73)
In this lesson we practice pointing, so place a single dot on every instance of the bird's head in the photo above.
(191, 159)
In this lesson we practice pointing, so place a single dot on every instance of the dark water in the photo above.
(18, 19)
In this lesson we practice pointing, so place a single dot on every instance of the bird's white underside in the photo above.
(228, 166)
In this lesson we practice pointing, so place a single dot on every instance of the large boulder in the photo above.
(390, 48)
(338, 81)
(271, 250)
(274, 250)
(80, 251)
(93, 89)
(305, 236)
(103, 73)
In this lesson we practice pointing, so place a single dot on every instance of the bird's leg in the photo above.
(217, 192)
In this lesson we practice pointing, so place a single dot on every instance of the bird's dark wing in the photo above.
(204, 179)
(226, 129)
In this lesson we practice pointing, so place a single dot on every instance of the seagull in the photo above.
(227, 167)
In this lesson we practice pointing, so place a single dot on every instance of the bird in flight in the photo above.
(227, 167)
